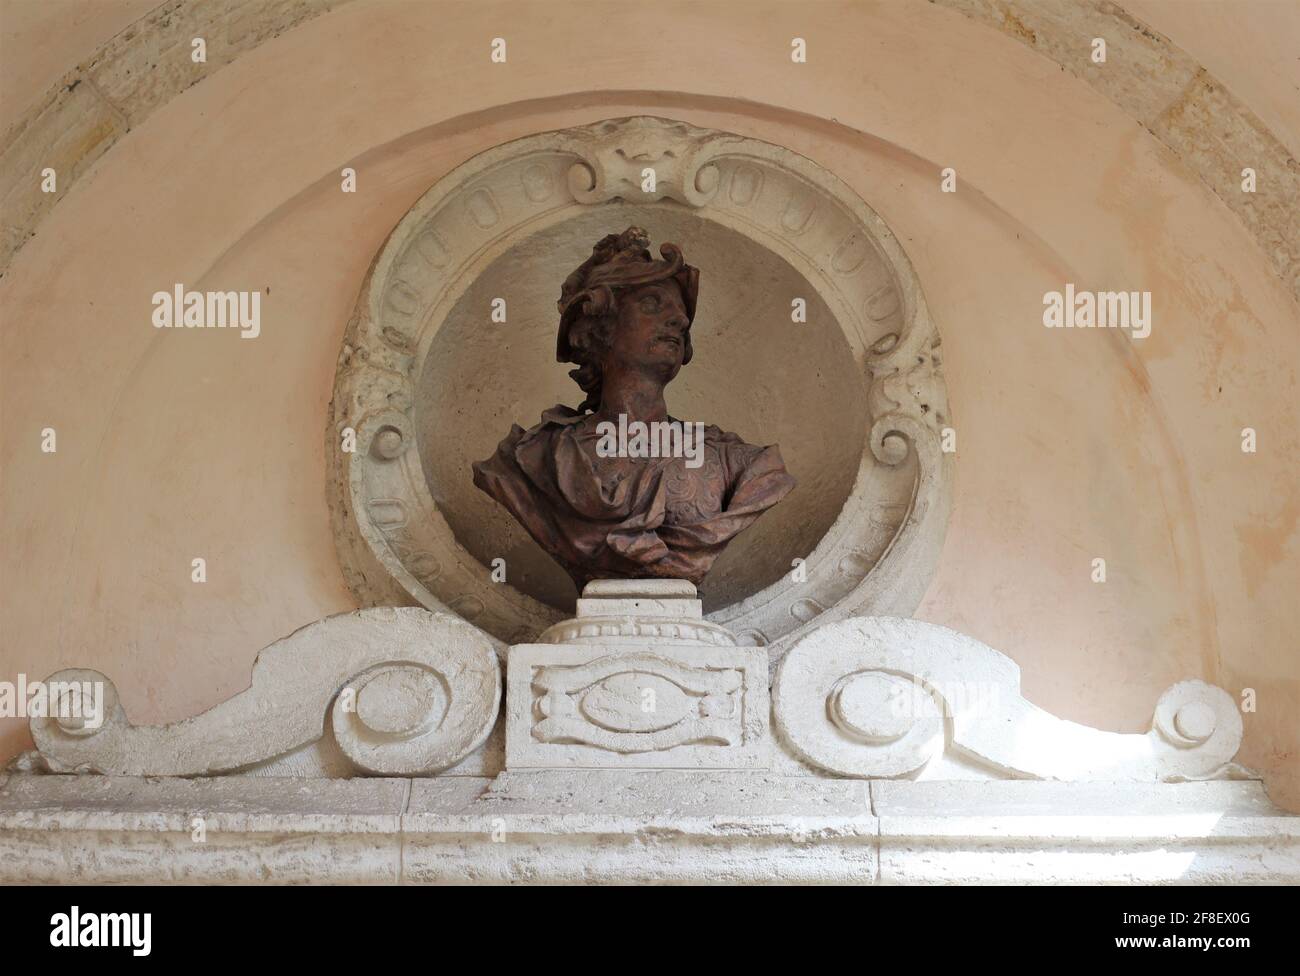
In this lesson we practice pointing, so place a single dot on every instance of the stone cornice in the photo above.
(795, 829)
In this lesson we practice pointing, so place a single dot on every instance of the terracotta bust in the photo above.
(618, 488)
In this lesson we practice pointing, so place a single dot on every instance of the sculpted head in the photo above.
(623, 310)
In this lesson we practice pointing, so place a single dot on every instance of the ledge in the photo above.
(618, 827)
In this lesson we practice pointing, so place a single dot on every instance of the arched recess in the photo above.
(398, 543)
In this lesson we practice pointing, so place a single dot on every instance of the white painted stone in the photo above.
(632, 690)
(600, 789)
(126, 830)
(665, 826)
(869, 697)
(590, 706)
(437, 698)
(401, 701)
(632, 611)
(661, 827)
(1022, 832)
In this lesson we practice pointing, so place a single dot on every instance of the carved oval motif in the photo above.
(855, 564)
(387, 513)
(432, 249)
(482, 207)
(537, 183)
(882, 303)
(404, 297)
(636, 702)
(873, 705)
(798, 213)
(805, 610)
(469, 607)
(853, 250)
(424, 565)
(745, 185)
(402, 701)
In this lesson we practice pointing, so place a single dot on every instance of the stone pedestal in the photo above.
(637, 680)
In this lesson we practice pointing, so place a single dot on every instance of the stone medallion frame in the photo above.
(395, 546)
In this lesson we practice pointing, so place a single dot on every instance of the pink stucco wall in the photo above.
(1071, 445)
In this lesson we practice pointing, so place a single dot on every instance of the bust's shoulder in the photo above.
(560, 416)
(729, 443)
(739, 459)
(554, 420)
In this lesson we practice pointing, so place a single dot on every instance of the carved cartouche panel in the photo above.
(620, 707)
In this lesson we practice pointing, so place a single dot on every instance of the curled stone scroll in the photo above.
(883, 696)
(413, 692)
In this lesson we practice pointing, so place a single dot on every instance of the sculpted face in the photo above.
(651, 331)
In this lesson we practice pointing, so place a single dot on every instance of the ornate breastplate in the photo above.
(694, 494)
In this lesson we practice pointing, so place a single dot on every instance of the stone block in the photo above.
(660, 706)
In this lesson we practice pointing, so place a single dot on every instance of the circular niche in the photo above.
(754, 372)
(853, 395)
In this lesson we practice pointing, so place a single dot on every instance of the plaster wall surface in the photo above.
(1072, 445)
